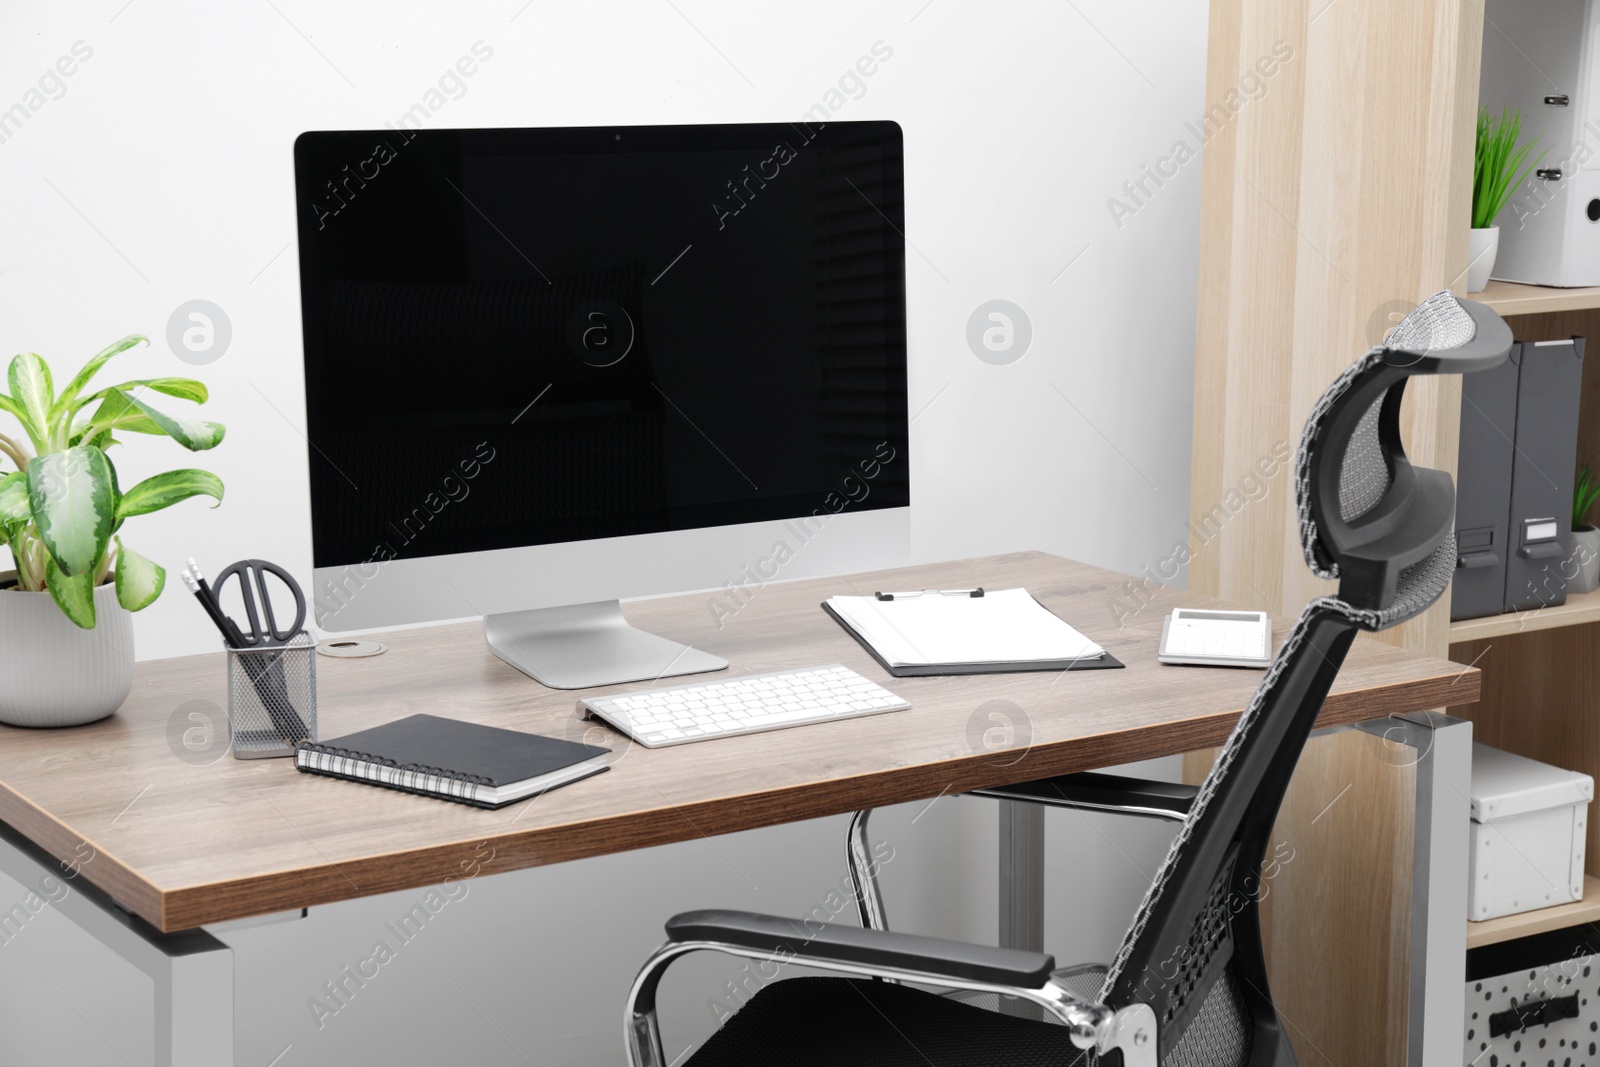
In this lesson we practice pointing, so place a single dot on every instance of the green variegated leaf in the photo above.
(14, 510)
(102, 438)
(91, 368)
(164, 490)
(29, 378)
(182, 388)
(139, 581)
(74, 594)
(196, 435)
(73, 495)
(116, 412)
(14, 499)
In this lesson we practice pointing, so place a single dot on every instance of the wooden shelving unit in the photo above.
(1512, 298)
(1579, 609)
(1542, 921)
(1312, 155)
(1540, 693)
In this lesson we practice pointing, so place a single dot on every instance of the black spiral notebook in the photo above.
(467, 762)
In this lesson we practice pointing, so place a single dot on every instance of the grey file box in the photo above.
(1483, 489)
(1540, 527)
(1519, 443)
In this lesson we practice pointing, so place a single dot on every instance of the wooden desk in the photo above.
(182, 845)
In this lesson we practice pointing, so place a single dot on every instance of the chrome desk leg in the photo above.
(1442, 747)
(192, 971)
(1022, 885)
(864, 873)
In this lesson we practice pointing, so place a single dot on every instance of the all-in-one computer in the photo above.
(550, 368)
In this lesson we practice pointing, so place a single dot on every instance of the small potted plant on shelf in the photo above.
(1497, 170)
(66, 638)
(1585, 538)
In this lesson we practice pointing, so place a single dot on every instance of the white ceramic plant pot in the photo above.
(1586, 556)
(1482, 247)
(51, 672)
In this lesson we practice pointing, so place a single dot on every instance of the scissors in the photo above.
(252, 575)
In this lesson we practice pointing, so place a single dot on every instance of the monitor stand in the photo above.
(582, 645)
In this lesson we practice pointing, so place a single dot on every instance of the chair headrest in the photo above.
(1368, 517)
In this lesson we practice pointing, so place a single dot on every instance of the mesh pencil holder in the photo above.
(272, 697)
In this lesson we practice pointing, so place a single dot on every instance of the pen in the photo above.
(913, 594)
(210, 605)
(202, 591)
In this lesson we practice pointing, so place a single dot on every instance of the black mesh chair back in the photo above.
(1383, 528)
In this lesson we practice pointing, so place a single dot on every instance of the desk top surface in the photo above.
(183, 842)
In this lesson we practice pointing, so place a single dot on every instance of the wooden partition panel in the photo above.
(1338, 806)
(1333, 203)
(1337, 905)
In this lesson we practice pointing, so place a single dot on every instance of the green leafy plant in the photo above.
(1497, 164)
(61, 510)
(1584, 494)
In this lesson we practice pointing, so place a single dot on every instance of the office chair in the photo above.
(1188, 986)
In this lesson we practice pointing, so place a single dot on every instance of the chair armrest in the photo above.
(866, 948)
(852, 950)
(1092, 791)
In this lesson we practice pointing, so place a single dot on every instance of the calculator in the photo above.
(1216, 638)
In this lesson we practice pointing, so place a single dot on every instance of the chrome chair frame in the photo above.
(1090, 1025)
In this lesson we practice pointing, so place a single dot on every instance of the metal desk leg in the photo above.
(192, 970)
(1442, 747)
(1022, 885)
(1022, 875)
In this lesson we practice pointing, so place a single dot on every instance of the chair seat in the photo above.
(835, 1022)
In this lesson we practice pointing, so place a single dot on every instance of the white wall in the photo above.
(162, 174)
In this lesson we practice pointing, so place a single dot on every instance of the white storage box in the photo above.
(1528, 823)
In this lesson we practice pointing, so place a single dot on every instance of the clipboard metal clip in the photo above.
(915, 593)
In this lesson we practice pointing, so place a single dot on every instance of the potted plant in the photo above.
(66, 638)
(1585, 538)
(1497, 170)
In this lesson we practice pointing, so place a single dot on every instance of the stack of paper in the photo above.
(1006, 627)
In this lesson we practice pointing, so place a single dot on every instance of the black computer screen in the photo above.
(527, 336)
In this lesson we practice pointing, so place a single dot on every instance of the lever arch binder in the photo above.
(1543, 58)
(1483, 489)
(1540, 534)
(1519, 442)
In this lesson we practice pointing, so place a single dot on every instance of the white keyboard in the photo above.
(657, 718)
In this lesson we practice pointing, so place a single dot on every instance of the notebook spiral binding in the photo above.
(416, 778)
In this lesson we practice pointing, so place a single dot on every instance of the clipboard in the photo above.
(1105, 661)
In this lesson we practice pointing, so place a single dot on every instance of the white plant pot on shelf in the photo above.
(1585, 560)
(1482, 247)
(51, 672)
